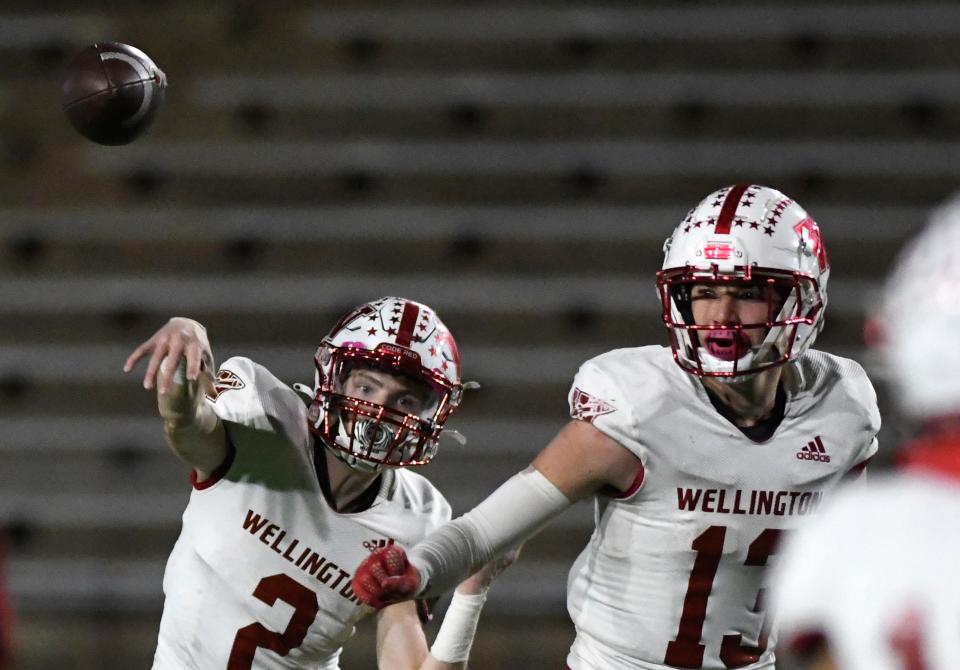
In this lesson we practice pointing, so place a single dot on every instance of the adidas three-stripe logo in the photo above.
(373, 545)
(814, 451)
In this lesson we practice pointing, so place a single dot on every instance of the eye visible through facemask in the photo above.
(386, 388)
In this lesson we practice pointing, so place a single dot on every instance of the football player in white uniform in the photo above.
(698, 455)
(871, 583)
(290, 493)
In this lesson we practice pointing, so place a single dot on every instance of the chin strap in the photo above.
(454, 435)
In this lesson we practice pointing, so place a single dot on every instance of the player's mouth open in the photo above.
(727, 345)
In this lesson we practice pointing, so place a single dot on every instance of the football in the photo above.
(111, 92)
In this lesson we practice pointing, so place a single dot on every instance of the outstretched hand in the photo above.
(179, 337)
(385, 577)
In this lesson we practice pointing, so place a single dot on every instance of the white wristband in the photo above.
(458, 628)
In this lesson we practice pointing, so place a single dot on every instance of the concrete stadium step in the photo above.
(695, 116)
(127, 325)
(825, 90)
(577, 184)
(645, 103)
(278, 295)
(464, 106)
(472, 172)
(242, 255)
(539, 36)
(30, 255)
(501, 240)
(733, 23)
(739, 35)
(235, 330)
(490, 158)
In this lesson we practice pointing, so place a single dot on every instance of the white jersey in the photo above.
(260, 576)
(674, 573)
(875, 574)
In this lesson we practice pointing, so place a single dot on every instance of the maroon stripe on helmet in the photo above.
(729, 208)
(407, 323)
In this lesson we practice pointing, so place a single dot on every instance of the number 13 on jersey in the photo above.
(686, 651)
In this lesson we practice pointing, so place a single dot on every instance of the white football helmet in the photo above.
(745, 233)
(921, 318)
(403, 338)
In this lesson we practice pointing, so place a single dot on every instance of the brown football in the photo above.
(111, 92)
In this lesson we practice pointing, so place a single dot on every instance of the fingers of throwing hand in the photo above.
(137, 354)
(177, 337)
(192, 352)
(169, 369)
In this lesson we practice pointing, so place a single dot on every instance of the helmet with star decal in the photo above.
(388, 378)
(745, 235)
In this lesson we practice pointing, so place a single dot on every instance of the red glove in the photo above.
(385, 577)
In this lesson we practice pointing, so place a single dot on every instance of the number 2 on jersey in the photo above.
(250, 638)
(687, 651)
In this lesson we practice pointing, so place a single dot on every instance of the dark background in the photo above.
(515, 165)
